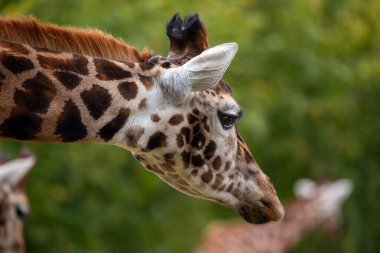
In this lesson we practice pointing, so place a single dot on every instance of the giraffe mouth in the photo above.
(259, 212)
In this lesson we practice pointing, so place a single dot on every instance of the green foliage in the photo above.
(307, 74)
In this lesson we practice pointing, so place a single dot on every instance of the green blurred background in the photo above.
(307, 74)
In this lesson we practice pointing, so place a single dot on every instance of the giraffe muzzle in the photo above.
(260, 212)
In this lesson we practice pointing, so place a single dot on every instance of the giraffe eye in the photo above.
(21, 211)
(227, 120)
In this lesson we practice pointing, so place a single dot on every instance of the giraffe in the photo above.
(14, 205)
(315, 204)
(175, 114)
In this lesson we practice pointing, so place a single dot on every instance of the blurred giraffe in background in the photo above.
(315, 205)
(14, 205)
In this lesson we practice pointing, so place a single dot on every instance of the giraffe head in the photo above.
(14, 205)
(325, 200)
(175, 114)
(191, 140)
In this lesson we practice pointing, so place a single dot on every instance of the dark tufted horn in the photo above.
(188, 38)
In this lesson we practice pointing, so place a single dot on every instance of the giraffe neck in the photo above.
(62, 97)
(301, 217)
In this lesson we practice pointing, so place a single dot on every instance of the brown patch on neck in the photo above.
(90, 42)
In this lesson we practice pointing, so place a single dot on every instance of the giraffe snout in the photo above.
(261, 211)
(274, 210)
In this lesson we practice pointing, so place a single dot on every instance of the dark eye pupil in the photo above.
(21, 211)
(228, 120)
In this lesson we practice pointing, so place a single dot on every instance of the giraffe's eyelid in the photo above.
(239, 114)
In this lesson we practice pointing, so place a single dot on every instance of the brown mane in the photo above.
(90, 42)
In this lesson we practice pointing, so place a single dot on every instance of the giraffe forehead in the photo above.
(219, 99)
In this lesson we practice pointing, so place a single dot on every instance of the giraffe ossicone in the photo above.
(175, 114)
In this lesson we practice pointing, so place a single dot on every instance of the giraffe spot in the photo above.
(235, 192)
(14, 47)
(245, 175)
(197, 161)
(139, 157)
(133, 136)
(143, 104)
(38, 94)
(217, 163)
(185, 131)
(128, 90)
(254, 172)
(198, 141)
(218, 181)
(230, 187)
(21, 125)
(210, 150)
(207, 177)
(206, 127)
(180, 142)
(196, 129)
(77, 64)
(176, 119)
(169, 156)
(186, 156)
(191, 118)
(15, 64)
(2, 77)
(167, 167)
(112, 127)
(146, 81)
(67, 79)
(156, 140)
(155, 117)
(196, 111)
(146, 66)
(166, 65)
(222, 187)
(153, 168)
(69, 125)
(129, 64)
(108, 70)
(169, 159)
(227, 166)
(248, 157)
(97, 100)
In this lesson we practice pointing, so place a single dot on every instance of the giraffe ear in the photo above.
(199, 73)
(13, 171)
(304, 188)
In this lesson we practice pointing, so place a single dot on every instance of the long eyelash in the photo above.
(241, 113)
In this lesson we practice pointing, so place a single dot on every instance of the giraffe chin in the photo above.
(256, 213)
